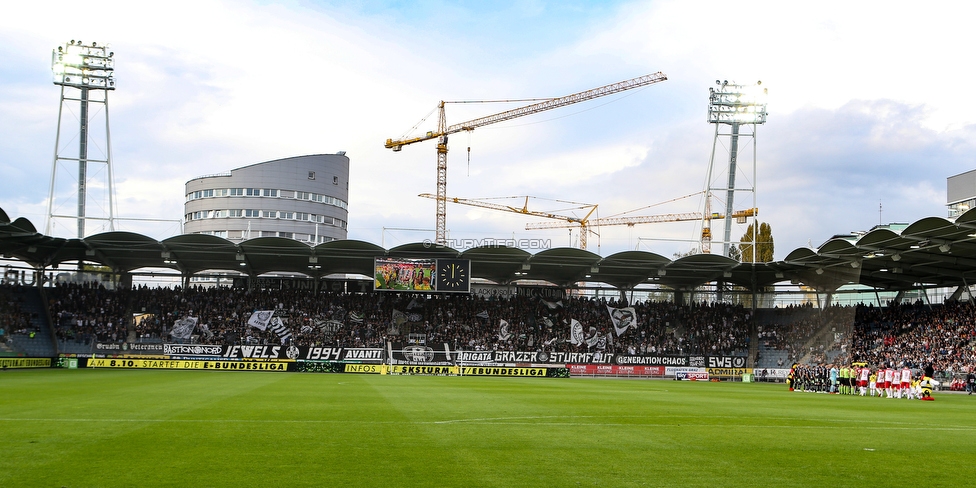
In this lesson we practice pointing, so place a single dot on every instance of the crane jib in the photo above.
(534, 108)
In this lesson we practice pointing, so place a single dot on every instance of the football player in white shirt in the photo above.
(862, 379)
(906, 382)
(888, 376)
(896, 383)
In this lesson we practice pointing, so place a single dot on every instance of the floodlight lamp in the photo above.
(819, 271)
(945, 247)
(80, 66)
(896, 257)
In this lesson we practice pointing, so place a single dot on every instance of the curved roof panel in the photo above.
(932, 251)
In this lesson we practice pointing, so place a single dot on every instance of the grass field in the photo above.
(77, 428)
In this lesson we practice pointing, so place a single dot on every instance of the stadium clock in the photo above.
(453, 275)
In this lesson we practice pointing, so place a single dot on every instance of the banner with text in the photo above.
(188, 364)
(21, 363)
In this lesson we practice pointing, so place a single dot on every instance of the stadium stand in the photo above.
(82, 315)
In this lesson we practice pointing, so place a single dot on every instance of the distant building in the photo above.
(303, 198)
(961, 193)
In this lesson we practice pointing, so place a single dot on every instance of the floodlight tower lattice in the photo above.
(738, 107)
(85, 73)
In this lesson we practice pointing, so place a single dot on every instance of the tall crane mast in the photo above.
(570, 221)
(444, 130)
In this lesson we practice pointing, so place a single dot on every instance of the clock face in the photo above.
(453, 275)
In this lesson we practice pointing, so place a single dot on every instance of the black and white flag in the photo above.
(183, 328)
(552, 305)
(503, 332)
(415, 303)
(482, 315)
(575, 332)
(592, 337)
(622, 318)
(400, 318)
(260, 319)
(279, 328)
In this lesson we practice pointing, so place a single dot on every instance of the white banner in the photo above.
(259, 320)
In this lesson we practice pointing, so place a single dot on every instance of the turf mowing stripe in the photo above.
(495, 421)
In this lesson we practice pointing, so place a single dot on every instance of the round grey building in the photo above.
(302, 198)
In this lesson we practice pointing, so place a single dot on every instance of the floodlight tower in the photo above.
(738, 107)
(85, 74)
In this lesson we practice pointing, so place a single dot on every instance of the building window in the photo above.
(219, 213)
(335, 180)
(237, 192)
(288, 235)
(270, 193)
(252, 213)
(301, 216)
(220, 233)
(311, 175)
(286, 215)
(235, 212)
(269, 214)
(252, 192)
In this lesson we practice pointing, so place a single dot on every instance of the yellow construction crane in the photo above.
(571, 221)
(444, 130)
(740, 217)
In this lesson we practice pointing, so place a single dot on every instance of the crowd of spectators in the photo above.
(793, 327)
(916, 335)
(13, 318)
(913, 335)
(89, 313)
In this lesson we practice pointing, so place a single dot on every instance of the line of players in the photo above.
(886, 382)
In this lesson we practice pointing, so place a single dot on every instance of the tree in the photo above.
(763, 243)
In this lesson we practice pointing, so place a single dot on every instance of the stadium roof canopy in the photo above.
(931, 252)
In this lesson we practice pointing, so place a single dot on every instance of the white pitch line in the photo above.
(502, 421)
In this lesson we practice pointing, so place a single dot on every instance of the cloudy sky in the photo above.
(868, 112)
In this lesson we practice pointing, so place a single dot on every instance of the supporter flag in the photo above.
(622, 318)
(356, 317)
(183, 328)
(552, 305)
(503, 333)
(415, 302)
(328, 325)
(482, 315)
(278, 327)
(399, 318)
(575, 332)
(205, 330)
(592, 337)
(260, 319)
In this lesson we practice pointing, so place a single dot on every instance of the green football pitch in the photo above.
(82, 428)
